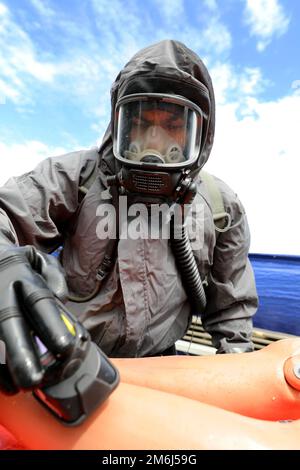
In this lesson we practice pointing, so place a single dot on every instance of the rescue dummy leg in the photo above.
(7, 440)
(262, 384)
(141, 418)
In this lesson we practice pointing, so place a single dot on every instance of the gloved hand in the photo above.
(29, 280)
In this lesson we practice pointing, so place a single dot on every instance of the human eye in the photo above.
(139, 121)
(175, 123)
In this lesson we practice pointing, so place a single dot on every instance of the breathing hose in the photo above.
(187, 266)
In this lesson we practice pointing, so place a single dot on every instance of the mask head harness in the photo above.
(157, 142)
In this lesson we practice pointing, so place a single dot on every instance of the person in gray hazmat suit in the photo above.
(137, 295)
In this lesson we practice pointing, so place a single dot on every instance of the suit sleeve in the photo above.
(231, 292)
(35, 208)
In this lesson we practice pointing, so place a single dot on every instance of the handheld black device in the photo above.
(74, 387)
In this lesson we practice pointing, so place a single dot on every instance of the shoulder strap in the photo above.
(222, 219)
(89, 180)
(86, 185)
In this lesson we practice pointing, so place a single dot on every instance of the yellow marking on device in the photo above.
(68, 324)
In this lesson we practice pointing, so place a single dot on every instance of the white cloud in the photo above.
(266, 18)
(19, 62)
(211, 4)
(3, 9)
(43, 8)
(217, 36)
(171, 9)
(251, 81)
(209, 35)
(17, 159)
(90, 58)
(232, 85)
(223, 79)
(85, 65)
(8, 92)
(258, 157)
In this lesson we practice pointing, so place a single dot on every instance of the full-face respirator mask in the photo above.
(157, 141)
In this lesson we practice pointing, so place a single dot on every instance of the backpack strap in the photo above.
(222, 219)
(88, 181)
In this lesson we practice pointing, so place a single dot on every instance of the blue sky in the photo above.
(58, 60)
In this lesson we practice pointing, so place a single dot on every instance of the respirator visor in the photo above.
(160, 130)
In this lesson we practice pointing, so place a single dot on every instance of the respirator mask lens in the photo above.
(160, 130)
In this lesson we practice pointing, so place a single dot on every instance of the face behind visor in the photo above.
(154, 144)
(157, 130)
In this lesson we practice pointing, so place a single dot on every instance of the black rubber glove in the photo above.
(29, 280)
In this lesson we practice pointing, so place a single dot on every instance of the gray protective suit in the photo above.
(142, 308)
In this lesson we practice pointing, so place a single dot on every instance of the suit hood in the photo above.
(167, 67)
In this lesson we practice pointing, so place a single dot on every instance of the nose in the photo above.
(156, 138)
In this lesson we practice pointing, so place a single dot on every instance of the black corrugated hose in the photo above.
(187, 266)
